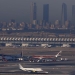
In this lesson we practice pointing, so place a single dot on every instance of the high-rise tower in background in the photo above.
(73, 15)
(64, 14)
(46, 13)
(33, 13)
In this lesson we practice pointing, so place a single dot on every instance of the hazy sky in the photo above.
(20, 9)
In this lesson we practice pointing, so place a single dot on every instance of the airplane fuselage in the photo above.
(32, 69)
(43, 56)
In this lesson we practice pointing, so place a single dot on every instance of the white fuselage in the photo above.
(31, 69)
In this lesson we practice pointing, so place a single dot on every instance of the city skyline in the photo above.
(21, 11)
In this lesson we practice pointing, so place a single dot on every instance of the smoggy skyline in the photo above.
(20, 9)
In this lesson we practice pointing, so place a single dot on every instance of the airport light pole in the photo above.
(22, 48)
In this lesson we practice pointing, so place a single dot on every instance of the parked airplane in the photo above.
(42, 58)
(31, 70)
(47, 56)
(66, 45)
(5, 57)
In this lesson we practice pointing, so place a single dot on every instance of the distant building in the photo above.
(73, 15)
(57, 24)
(52, 26)
(67, 24)
(64, 14)
(33, 13)
(46, 13)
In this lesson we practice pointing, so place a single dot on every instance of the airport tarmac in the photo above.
(58, 68)
(36, 50)
(52, 69)
(38, 63)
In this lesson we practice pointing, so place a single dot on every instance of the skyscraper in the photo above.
(64, 14)
(46, 13)
(73, 15)
(33, 13)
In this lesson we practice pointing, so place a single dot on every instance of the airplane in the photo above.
(5, 57)
(31, 70)
(47, 56)
(49, 46)
(66, 45)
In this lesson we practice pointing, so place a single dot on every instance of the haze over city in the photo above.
(37, 37)
(20, 9)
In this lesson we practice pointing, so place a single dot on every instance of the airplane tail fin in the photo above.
(58, 54)
(20, 67)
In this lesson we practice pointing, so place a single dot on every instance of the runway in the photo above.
(43, 63)
(52, 69)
